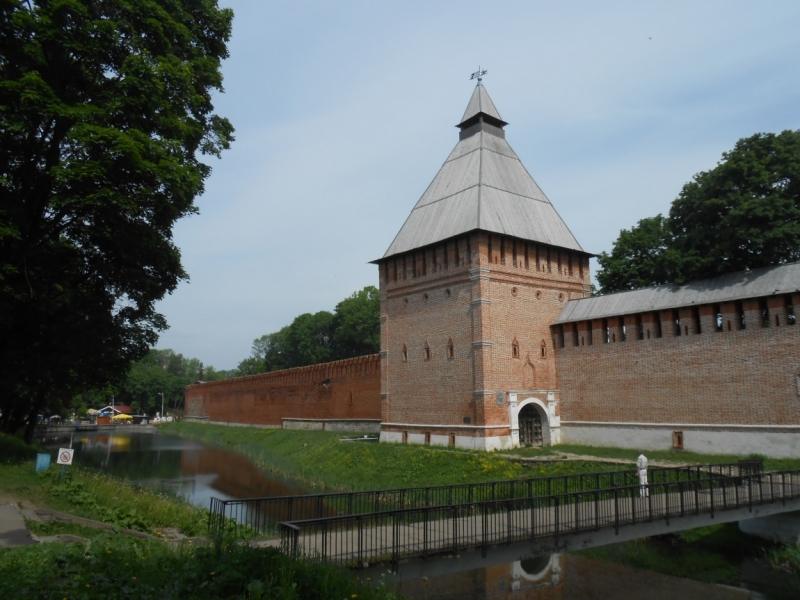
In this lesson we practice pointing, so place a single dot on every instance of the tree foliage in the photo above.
(353, 329)
(105, 111)
(743, 214)
(159, 371)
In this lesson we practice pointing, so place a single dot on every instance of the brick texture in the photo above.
(743, 376)
(344, 389)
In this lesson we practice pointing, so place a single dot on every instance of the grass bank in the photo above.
(114, 566)
(111, 567)
(91, 494)
(318, 459)
(678, 456)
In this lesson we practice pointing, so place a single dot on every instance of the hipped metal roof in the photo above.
(482, 185)
(768, 281)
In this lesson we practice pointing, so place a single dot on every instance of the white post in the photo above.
(513, 419)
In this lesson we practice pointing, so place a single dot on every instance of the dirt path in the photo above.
(565, 456)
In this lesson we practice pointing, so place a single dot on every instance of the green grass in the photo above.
(14, 450)
(111, 567)
(710, 554)
(785, 557)
(681, 456)
(318, 459)
(95, 495)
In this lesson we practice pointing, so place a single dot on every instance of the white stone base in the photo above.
(501, 442)
(776, 442)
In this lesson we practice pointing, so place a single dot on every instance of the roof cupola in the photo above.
(481, 110)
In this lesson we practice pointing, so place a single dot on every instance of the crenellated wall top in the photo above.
(311, 373)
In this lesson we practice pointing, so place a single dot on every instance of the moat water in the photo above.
(198, 471)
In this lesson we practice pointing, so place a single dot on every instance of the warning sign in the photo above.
(65, 456)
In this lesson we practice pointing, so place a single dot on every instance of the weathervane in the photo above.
(478, 75)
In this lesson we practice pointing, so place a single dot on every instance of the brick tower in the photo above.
(469, 287)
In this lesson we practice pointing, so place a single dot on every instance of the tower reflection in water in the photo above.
(563, 577)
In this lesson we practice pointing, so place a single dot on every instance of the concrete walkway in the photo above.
(13, 530)
(568, 456)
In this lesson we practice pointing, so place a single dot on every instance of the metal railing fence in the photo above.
(390, 536)
(260, 516)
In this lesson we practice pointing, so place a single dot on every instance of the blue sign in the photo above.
(42, 462)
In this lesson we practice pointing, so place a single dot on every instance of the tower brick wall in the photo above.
(339, 390)
(465, 320)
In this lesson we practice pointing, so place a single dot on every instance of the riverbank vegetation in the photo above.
(717, 554)
(318, 459)
(110, 566)
(94, 495)
(711, 554)
(785, 557)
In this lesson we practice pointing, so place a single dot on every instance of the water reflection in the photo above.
(186, 467)
(573, 577)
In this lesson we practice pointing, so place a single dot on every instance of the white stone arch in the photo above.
(547, 414)
(551, 566)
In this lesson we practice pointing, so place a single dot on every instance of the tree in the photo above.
(356, 324)
(105, 112)
(743, 214)
(353, 329)
(309, 339)
(641, 256)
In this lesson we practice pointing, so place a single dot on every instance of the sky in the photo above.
(344, 112)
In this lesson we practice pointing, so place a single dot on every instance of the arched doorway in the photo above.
(530, 426)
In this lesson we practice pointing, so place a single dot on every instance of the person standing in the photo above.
(641, 466)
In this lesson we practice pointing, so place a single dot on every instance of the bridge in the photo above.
(527, 517)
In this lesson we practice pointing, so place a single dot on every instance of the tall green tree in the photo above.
(353, 329)
(642, 256)
(105, 114)
(309, 340)
(743, 214)
(356, 324)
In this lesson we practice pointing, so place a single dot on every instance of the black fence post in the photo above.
(711, 495)
(324, 553)
(484, 543)
(455, 529)
(509, 525)
(557, 517)
(596, 509)
(425, 516)
(616, 511)
(395, 542)
(783, 489)
(360, 541)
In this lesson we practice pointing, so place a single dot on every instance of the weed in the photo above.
(111, 567)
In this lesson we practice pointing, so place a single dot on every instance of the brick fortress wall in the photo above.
(462, 320)
(686, 366)
(340, 390)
